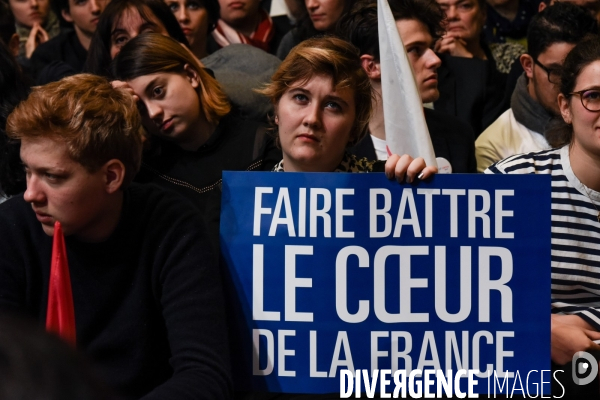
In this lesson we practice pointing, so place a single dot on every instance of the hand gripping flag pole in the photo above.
(405, 128)
(60, 316)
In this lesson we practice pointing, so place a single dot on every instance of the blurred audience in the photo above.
(35, 22)
(36, 365)
(464, 35)
(245, 21)
(197, 18)
(14, 89)
(8, 30)
(507, 20)
(321, 17)
(121, 21)
(66, 53)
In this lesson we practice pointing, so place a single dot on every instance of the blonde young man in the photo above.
(146, 289)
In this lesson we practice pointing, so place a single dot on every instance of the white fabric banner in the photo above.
(405, 128)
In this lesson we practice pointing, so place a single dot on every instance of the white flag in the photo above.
(405, 128)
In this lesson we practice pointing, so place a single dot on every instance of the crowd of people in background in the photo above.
(114, 113)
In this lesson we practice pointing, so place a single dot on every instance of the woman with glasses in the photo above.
(574, 166)
(534, 108)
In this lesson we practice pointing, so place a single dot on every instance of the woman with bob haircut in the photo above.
(574, 164)
(322, 99)
(121, 21)
(194, 135)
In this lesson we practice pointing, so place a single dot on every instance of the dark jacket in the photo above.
(236, 145)
(451, 138)
(471, 90)
(58, 57)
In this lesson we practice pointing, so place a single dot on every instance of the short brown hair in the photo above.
(332, 57)
(97, 122)
(152, 53)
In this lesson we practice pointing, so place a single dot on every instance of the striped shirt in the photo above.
(575, 232)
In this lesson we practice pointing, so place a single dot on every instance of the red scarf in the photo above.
(225, 35)
(60, 315)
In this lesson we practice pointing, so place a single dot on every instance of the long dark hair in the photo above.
(583, 54)
(98, 59)
(14, 89)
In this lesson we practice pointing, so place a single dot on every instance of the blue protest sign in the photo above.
(333, 273)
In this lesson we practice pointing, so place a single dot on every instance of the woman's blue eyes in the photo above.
(329, 104)
(333, 105)
(300, 97)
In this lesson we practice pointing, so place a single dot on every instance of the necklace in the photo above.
(587, 193)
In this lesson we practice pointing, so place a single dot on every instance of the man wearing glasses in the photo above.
(527, 126)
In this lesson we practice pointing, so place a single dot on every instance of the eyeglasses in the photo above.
(553, 73)
(590, 99)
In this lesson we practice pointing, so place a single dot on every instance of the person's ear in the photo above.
(542, 6)
(114, 175)
(371, 67)
(192, 75)
(565, 110)
(13, 44)
(527, 64)
(66, 15)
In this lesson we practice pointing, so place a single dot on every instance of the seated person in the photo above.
(123, 20)
(245, 21)
(322, 99)
(71, 45)
(575, 171)
(197, 19)
(35, 22)
(194, 134)
(527, 126)
(464, 38)
(148, 307)
(418, 26)
(320, 17)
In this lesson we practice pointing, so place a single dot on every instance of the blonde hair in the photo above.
(331, 57)
(97, 122)
(153, 53)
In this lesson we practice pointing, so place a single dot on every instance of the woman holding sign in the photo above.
(575, 168)
(322, 99)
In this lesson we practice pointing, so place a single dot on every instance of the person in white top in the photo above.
(528, 124)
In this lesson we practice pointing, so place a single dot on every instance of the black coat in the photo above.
(471, 90)
(450, 137)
